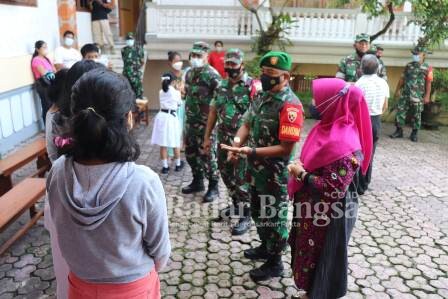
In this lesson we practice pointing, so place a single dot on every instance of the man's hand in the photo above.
(207, 144)
(295, 169)
(427, 100)
(235, 153)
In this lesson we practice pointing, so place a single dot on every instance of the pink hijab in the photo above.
(344, 127)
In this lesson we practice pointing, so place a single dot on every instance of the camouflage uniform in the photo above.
(268, 176)
(132, 69)
(200, 87)
(231, 102)
(415, 76)
(350, 68)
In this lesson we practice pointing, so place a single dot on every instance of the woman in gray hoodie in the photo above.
(110, 213)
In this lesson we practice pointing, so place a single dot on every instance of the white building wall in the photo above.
(21, 26)
(199, 2)
(84, 28)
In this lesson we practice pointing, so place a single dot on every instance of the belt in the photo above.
(172, 112)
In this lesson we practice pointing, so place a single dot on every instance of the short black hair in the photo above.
(172, 55)
(219, 42)
(67, 32)
(55, 91)
(102, 100)
(89, 48)
(369, 64)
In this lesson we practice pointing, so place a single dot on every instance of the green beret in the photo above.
(130, 35)
(420, 49)
(234, 55)
(362, 37)
(277, 60)
(200, 48)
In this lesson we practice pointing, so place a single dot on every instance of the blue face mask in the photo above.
(314, 112)
(416, 58)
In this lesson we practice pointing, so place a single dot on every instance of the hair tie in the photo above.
(165, 78)
(91, 109)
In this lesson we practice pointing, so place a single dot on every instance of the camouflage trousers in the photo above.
(135, 79)
(234, 177)
(202, 164)
(405, 106)
(269, 210)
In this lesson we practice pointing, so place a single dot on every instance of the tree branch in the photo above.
(390, 7)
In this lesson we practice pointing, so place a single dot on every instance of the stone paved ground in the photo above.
(399, 248)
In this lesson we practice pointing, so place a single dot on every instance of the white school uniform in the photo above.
(166, 131)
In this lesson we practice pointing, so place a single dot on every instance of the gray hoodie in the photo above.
(111, 219)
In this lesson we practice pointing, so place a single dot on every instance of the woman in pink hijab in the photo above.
(325, 200)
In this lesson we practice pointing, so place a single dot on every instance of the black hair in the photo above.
(219, 42)
(102, 100)
(89, 48)
(37, 45)
(369, 64)
(172, 55)
(55, 91)
(75, 72)
(69, 32)
(167, 82)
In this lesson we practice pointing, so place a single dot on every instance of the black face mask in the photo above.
(268, 82)
(233, 73)
(314, 112)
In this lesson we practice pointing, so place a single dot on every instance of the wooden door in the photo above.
(129, 12)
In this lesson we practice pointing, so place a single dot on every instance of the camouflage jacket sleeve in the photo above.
(249, 114)
(342, 69)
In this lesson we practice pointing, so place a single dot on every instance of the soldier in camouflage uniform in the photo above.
(133, 60)
(382, 72)
(271, 128)
(350, 67)
(201, 82)
(227, 108)
(415, 87)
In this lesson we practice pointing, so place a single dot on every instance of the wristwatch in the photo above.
(253, 154)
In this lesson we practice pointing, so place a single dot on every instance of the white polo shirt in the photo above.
(376, 91)
(66, 57)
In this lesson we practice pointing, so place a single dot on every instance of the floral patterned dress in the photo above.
(318, 206)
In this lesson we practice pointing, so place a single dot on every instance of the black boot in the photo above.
(272, 268)
(196, 185)
(413, 136)
(224, 213)
(243, 224)
(257, 253)
(212, 192)
(397, 134)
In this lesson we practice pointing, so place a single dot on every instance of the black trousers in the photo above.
(362, 181)
(42, 91)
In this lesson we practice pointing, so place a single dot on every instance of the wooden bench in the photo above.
(15, 202)
(23, 156)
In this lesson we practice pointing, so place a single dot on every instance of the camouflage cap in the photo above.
(130, 35)
(234, 55)
(420, 49)
(379, 47)
(200, 48)
(277, 60)
(362, 37)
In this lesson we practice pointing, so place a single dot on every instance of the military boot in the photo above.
(243, 224)
(197, 185)
(212, 192)
(273, 267)
(257, 253)
(397, 134)
(413, 136)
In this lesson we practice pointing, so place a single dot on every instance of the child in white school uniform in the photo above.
(166, 131)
